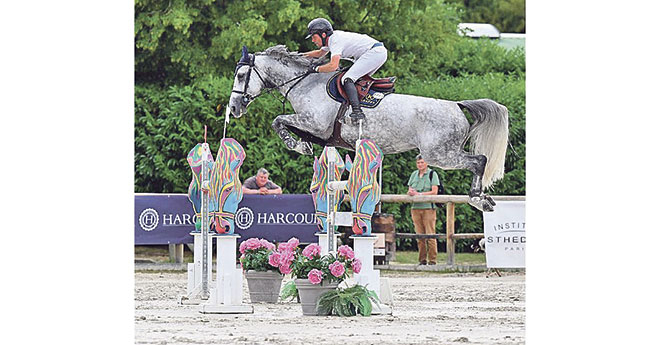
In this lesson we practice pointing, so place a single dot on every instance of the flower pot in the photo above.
(309, 294)
(264, 286)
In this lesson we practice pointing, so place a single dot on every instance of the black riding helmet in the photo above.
(318, 26)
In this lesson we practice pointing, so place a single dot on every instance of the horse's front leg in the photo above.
(281, 125)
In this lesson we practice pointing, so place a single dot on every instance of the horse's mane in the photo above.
(282, 54)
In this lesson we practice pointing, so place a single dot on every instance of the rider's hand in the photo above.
(313, 69)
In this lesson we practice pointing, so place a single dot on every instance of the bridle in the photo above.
(268, 86)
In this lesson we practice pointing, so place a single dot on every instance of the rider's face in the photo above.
(316, 38)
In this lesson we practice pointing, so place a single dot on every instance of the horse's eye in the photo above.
(241, 76)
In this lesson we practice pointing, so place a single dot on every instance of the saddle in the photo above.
(366, 83)
(370, 91)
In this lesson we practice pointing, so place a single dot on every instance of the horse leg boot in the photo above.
(292, 144)
(477, 197)
(351, 92)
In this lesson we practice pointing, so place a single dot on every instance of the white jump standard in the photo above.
(200, 271)
(227, 296)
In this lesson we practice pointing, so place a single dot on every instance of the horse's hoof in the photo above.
(304, 148)
(308, 149)
(476, 203)
(490, 200)
(291, 144)
(356, 121)
(487, 207)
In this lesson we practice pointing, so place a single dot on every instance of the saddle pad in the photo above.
(371, 100)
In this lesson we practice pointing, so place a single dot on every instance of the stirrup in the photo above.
(357, 115)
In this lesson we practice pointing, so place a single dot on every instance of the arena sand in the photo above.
(428, 309)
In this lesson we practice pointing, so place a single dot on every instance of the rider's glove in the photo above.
(313, 69)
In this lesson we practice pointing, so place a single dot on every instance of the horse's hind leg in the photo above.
(477, 164)
(474, 163)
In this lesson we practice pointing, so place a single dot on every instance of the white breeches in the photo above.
(367, 64)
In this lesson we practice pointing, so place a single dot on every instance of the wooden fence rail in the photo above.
(450, 200)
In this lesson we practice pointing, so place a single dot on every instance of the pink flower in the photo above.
(315, 276)
(357, 266)
(241, 248)
(346, 251)
(274, 259)
(312, 250)
(286, 258)
(252, 244)
(293, 243)
(285, 269)
(337, 269)
(267, 245)
(283, 247)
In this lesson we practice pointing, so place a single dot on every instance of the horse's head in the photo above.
(319, 187)
(226, 190)
(275, 66)
(247, 85)
(195, 160)
(363, 189)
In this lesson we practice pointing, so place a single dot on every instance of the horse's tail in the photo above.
(489, 135)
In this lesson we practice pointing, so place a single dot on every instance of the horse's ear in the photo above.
(380, 155)
(342, 168)
(373, 166)
(349, 163)
(316, 164)
(245, 57)
(340, 162)
(233, 166)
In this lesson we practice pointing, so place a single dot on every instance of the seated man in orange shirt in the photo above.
(260, 184)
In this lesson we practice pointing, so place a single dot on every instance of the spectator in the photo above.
(260, 184)
(423, 182)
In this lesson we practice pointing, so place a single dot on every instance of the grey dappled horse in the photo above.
(438, 128)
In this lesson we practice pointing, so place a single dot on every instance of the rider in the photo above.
(367, 53)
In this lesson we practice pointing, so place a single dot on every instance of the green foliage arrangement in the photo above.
(186, 51)
(289, 291)
(347, 302)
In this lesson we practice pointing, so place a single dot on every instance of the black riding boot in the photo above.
(351, 92)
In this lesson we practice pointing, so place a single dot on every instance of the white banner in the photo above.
(504, 231)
